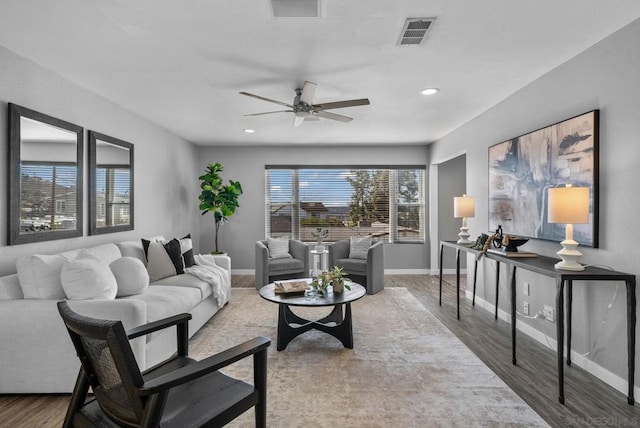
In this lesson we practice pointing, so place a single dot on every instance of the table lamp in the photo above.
(568, 205)
(464, 206)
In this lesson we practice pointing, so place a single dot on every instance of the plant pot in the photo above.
(338, 286)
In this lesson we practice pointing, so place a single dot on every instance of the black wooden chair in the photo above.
(179, 392)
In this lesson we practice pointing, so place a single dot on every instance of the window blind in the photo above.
(112, 195)
(48, 195)
(385, 202)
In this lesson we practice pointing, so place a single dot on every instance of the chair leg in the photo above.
(260, 384)
(77, 398)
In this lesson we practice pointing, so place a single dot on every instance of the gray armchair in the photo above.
(369, 273)
(269, 270)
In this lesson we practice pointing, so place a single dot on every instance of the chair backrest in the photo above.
(108, 362)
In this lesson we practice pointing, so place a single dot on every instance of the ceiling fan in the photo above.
(304, 109)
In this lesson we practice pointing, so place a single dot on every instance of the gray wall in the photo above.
(452, 182)
(603, 77)
(166, 181)
(246, 164)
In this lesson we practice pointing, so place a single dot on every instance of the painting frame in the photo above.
(521, 170)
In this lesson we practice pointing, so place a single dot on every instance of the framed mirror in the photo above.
(45, 177)
(111, 184)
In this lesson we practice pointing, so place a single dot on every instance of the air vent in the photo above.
(296, 8)
(415, 31)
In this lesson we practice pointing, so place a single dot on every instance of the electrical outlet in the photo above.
(526, 288)
(526, 308)
(549, 312)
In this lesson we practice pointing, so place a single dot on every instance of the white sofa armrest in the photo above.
(223, 261)
(37, 343)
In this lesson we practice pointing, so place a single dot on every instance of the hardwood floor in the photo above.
(589, 402)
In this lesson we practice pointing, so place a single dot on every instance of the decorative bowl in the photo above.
(513, 243)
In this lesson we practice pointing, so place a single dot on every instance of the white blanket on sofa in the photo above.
(219, 279)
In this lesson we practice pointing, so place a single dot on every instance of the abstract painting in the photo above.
(523, 168)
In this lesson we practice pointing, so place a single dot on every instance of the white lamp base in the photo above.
(464, 237)
(569, 256)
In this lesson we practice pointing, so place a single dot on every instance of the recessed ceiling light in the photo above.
(249, 131)
(429, 91)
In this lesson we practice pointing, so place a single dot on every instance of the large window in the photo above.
(387, 203)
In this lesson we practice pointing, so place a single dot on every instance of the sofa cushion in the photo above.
(40, 275)
(87, 277)
(186, 248)
(163, 258)
(134, 248)
(186, 280)
(106, 252)
(353, 266)
(166, 301)
(131, 275)
(278, 248)
(10, 288)
(281, 266)
(359, 247)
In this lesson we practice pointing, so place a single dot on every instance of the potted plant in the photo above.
(218, 198)
(337, 276)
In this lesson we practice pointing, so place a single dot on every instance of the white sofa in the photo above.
(36, 354)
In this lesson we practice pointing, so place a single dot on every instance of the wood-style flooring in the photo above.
(588, 401)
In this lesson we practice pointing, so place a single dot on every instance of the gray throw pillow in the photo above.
(278, 248)
(359, 247)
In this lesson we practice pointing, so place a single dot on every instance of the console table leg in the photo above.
(475, 277)
(569, 304)
(497, 287)
(631, 335)
(513, 315)
(560, 336)
(441, 251)
(458, 282)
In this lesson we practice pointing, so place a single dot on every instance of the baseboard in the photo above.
(611, 379)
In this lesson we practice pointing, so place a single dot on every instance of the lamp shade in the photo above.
(568, 205)
(464, 206)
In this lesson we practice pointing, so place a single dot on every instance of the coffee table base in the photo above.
(343, 330)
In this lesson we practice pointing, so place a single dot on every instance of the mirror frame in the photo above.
(14, 237)
(93, 196)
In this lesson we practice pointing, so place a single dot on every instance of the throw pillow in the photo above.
(278, 248)
(40, 276)
(359, 247)
(163, 259)
(131, 275)
(186, 248)
(87, 278)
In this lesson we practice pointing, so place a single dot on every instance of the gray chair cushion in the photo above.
(279, 266)
(353, 266)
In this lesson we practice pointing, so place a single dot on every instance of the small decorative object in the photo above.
(569, 205)
(464, 206)
(337, 276)
(334, 277)
(511, 243)
(320, 234)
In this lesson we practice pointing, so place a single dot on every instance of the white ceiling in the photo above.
(181, 64)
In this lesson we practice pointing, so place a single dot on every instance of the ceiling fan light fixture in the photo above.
(430, 91)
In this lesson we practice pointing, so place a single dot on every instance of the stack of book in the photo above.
(290, 287)
(511, 254)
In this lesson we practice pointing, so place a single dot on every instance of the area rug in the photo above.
(406, 369)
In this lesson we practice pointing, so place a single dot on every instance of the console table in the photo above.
(545, 266)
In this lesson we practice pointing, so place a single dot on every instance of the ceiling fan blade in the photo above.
(332, 116)
(308, 92)
(341, 104)
(298, 121)
(266, 99)
(270, 112)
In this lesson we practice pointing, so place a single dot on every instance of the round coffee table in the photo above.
(342, 330)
